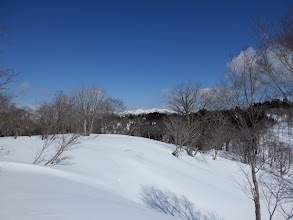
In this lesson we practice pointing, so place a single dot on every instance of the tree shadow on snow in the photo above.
(171, 204)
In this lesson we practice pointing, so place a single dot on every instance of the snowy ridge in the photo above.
(146, 111)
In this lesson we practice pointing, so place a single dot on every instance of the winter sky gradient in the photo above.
(136, 50)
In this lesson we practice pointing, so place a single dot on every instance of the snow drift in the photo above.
(117, 177)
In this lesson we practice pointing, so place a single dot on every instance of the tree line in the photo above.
(84, 111)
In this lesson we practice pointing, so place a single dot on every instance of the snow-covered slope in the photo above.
(282, 129)
(31, 193)
(108, 177)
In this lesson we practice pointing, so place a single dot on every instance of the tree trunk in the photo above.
(91, 127)
(15, 133)
(190, 152)
(176, 152)
(102, 125)
(227, 145)
(84, 128)
(256, 198)
(215, 154)
(53, 159)
(188, 119)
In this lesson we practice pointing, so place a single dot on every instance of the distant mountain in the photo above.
(146, 111)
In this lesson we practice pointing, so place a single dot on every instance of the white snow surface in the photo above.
(105, 177)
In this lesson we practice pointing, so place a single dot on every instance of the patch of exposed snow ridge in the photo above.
(146, 111)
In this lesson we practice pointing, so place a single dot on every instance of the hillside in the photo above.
(114, 176)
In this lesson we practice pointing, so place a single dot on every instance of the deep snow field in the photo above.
(114, 177)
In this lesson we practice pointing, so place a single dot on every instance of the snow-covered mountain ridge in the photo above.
(146, 111)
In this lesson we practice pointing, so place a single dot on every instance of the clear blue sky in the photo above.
(135, 49)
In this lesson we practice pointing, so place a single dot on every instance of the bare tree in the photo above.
(14, 120)
(58, 144)
(66, 143)
(276, 196)
(244, 92)
(110, 108)
(247, 94)
(218, 131)
(180, 131)
(40, 154)
(87, 102)
(64, 121)
(276, 52)
(113, 106)
(275, 64)
(186, 98)
(276, 159)
(6, 75)
(47, 117)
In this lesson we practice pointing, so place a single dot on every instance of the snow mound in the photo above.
(31, 193)
(115, 177)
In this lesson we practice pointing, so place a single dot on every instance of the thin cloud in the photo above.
(46, 93)
(24, 85)
(165, 90)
